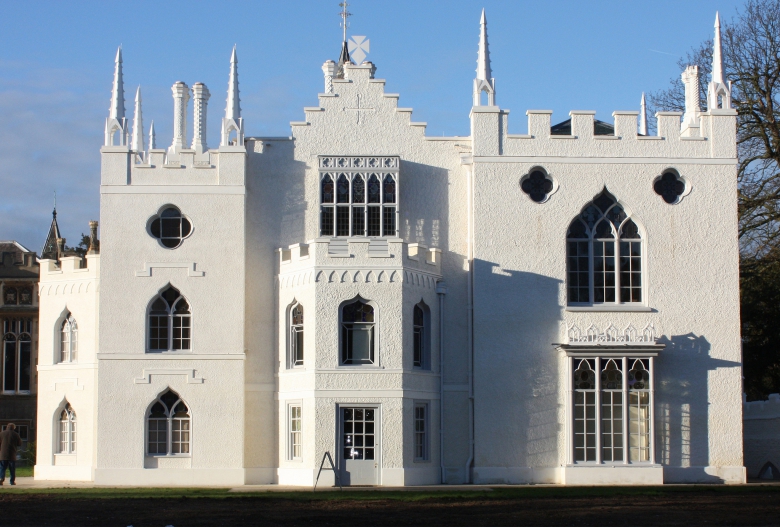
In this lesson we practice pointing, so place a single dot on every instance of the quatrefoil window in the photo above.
(670, 186)
(538, 185)
(170, 227)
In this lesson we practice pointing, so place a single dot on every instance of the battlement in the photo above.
(769, 409)
(71, 268)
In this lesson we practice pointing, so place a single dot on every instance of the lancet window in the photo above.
(67, 431)
(359, 196)
(357, 333)
(611, 406)
(69, 339)
(170, 322)
(17, 355)
(604, 255)
(168, 426)
(422, 336)
(296, 335)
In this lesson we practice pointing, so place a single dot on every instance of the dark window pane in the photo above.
(358, 189)
(342, 189)
(342, 221)
(389, 189)
(327, 189)
(373, 221)
(389, 221)
(9, 365)
(373, 189)
(326, 222)
(358, 221)
(25, 371)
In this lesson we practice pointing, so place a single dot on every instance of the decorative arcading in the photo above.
(611, 335)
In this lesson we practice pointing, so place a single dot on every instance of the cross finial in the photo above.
(55, 204)
(344, 14)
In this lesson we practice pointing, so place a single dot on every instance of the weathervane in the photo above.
(344, 14)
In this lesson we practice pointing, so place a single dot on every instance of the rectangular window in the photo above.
(158, 436)
(295, 432)
(388, 222)
(374, 223)
(158, 332)
(25, 367)
(342, 221)
(358, 221)
(359, 340)
(180, 436)
(64, 439)
(181, 332)
(578, 279)
(421, 432)
(611, 410)
(630, 272)
(326, 221)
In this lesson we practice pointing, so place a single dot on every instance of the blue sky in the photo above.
(56, 67)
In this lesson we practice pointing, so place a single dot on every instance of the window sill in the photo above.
(169, 456)
(607, 308)
(169, 352)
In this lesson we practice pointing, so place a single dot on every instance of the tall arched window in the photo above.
(67, 431)
(168, 426)
(17, 355)
(169, 322)
(604, 255)
(296, 335)
(357, 333)
(422, 336)
(69, 341)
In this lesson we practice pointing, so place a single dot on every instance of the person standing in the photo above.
(9, 442)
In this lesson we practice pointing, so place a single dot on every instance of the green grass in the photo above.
(499, 493)
(23, 472)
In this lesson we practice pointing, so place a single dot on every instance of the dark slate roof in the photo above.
(49, 251)
(599, 128)
(16, 261)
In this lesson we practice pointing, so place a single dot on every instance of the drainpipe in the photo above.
(470, 308)
(441, 290)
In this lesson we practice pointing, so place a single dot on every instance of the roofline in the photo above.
(22, 247)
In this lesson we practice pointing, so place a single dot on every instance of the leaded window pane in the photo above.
(342, 221)
(388, 221)
(326, 221)
(358, 221)
(374, 221)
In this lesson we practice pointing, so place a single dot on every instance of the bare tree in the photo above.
(751, 60)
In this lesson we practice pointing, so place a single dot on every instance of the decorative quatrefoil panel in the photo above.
(671, 187)
(538, 185)
(170, 227)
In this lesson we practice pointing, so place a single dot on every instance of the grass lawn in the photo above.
(23, 472)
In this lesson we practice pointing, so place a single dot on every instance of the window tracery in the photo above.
(170, 227)
(69, 339)
(358, 196)
(296, 335)
(169, 322)
(67, 432)
(168, 426)
(604, 255)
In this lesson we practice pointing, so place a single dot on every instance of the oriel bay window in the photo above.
(358, 196)
(610, 408)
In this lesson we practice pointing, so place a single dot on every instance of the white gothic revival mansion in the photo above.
(559, 306)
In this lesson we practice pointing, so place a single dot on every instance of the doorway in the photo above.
(359, 445)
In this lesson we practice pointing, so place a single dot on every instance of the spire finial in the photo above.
(483, 60)
(117, 110)
(152, 138)
(717, 54)
(643, 116)
(54, 212)
(344, 15)
(138, 126)
(484, 80)
(233, 109)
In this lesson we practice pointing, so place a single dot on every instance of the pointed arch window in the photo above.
(604, 255)
(168, 426)
(359, 196)
(67, 432)
(357, 333)
(422, 336)
(296, 335)
(17, 355)
(69, 339)
(170, 322)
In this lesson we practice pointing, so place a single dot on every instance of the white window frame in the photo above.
(169, 420)
(292, 342)
(625, 359)
(591, 240)
(294, 437)
(19, 328)
(422, 439)
(69, 343)
(66, 443)
(375, 334)
(365, 167)
(171, 317)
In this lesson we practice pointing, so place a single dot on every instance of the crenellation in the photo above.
(582, 123)
(625, 124)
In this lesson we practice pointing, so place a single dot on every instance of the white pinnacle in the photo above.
(138, 125)
(643, 116)
(717, 55)
(152, 139)
(117, 109)
(483, 59)
(233, 109)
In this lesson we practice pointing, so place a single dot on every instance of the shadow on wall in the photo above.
(516, 319)
(424, 204)
(682, 407)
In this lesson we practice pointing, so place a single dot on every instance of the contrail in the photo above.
(662, 52)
